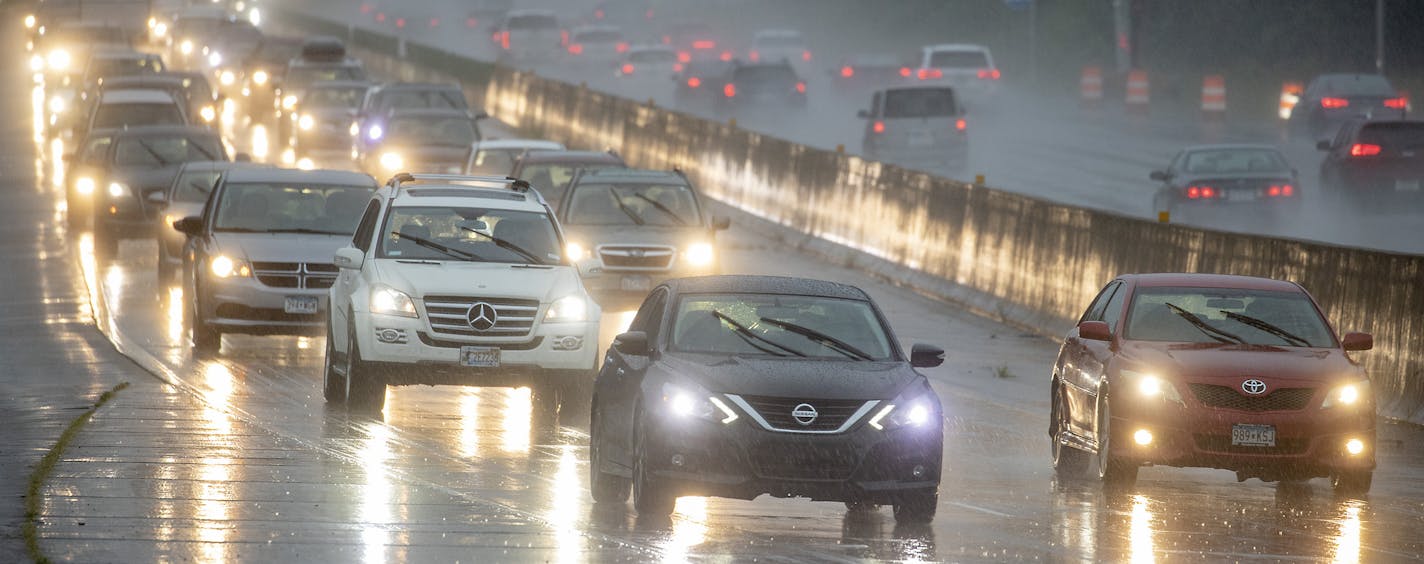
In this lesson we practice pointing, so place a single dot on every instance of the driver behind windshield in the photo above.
(277, 208)
(469, 234)
(634, 204)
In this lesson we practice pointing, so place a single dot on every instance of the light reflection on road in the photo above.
(1140, 531)
(1347, 542)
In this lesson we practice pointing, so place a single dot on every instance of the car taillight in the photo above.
(1334, 103)
(960, 124)
(694, 82)
(704, 44)
(989, 74)
(366, 8)
(648, 15)
(380, 17)
(847, 72)
(400, 23)
(905, 71)
(1200, 192)
(1397, 103)
(621, 47)
(667, 40)
(878, 127)
(801, 87)
(563, 36)
(1364, 150)
(726, 56)
(1280, 190)
(754, 56)
(677, 67)
(684, 57)
(805, 55)
(730, 90)
(576, 49)
(926, 74)
(627, 68)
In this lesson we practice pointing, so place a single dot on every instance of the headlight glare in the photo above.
(390, 301)
(392, 161)
(566, 309)
(1347, 395)
(208, 113)
(700, 254)
(306, 122)
(289, 102)
(575, 252)
(37, 63)
(186, 47)
(1151, 386)
(227, 78)
(904, 412)
(226, 267)
(118, 189)
(59, 59)
(84, 185)
(688, 401)
(260, 77)
(375, 132)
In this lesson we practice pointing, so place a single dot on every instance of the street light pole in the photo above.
(1379, 36)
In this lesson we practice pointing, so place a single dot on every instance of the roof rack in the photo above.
(487, 182)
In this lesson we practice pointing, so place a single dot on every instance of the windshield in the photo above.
(165, 151)
(917, 103)
(440, 131)
(533, 22)
(113, 116)
(495, 161)
(334, 97)
(775, 325)
(1234, 161)
(653, 56)
(959, 60)
(632, 204)
(291, 207)
(106, 68)
(194, 186)
(422, 99)
(552, 179)
(1394, 135)
(1227, 316)
(473, 234)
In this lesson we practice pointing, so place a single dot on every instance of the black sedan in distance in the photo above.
(738, 386)
(1209, 182)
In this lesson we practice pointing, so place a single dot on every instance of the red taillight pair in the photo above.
(927, 74)
(847, 72)
(1365, 150)
(989, 74)
(1334, 103)
(627, 68)
(1280, 190)
(1397, 103)
(730, 90)
(1200, 192)
(704, 44)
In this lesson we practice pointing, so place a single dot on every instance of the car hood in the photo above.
(281, 247)
(483, 279)
(810, 379)
(1228, 366)
(676, 236)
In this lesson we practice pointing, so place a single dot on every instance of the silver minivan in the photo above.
(922, 126)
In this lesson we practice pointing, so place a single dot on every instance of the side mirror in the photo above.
(1159, 175)
(349, 257)
(589, 268)
(191, 226)
(1358, 342)
(862, 114)
(926, 356)
(632, 343)
(721, 222)
(242, 158)
(1094, 331)
(1322, 145)
(157, 199)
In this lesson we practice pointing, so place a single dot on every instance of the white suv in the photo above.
(459, 280)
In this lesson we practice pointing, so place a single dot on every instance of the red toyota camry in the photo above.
(1213, 371)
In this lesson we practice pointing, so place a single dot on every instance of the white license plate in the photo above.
(636, 283)
(301, 304)
(479, 357)
(1253, 435)
(1406, 186)
(1241, 195)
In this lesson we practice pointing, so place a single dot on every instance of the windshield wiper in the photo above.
(617, 197)
(1258, 323)
(450, 252)
(833, 343)
(747, 335)
(501, 243)
(417, 261)
(1205, 327)
(661, 208)
(308, 231)
(151, 151)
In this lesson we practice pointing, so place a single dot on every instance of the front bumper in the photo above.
(742, 460)
(615, 284)
(246, 305)
(411, 353)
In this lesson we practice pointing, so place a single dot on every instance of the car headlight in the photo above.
(214, 59)
(375, 133)
(390, 301)
(289, 102)
(119, 190)
(392, 161)
(37, 63)
(260, 77)
(84, 185)
(160, 29)
(913, 412)
(227, 267)
(700, 254)
(306, 122)
(30, 21)
(1354, 393)
(186, 47)
(57, 105)
(59, 59)
(227, 78)
(575, 252)
(688, 401)
(255, 16)
(354, 130)
(1150, 386)
(566, 309)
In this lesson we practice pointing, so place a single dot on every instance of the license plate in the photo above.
(479, 357)
(1253, 435)
(301, 304)
(637, 283)
(921, 139)
(1241, 195)
(1406, 186)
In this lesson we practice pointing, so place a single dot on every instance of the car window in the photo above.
(1227, 161)
(475, 234)
(780, 42)
(494, 161)
(438, 131)
(1112, 312)
(1358, 85)
(764, 74)
(116, 116)
(290, 207)
(1226, 316)
(334, 97)
(194, 186)
(632, 204)
(423, 99)
(1100, 303)
(151, 151)
(1393, 136)
(301, 76)
(650, 316)
(778, 325)
(918, 103)
(959, 60)
(367, 228)
(96, 150)
(552, 179)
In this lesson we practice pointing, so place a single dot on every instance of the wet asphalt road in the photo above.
(237, 457)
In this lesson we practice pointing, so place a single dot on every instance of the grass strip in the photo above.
(46, 465)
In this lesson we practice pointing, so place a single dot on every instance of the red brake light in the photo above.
(730, 90)
(563, 36)
(754, 56)
(926, 74)
(667, 40)
(627, 68)
(1273, 191)
(576, 49)
(621, 47)
(684, 56)
(400, 23)
(726, 56)
(1287, 190)
(801, 87)
(847, 72)
(1334, 103)
(805, 55)
(365, 8)
(504, 39)
(960, 124)
(1193, 192)
(989, 74)
(905, 71)
(1364, 150)
(694, 82)
(704, 44)
(878, 127)
(996, 74)
(380, 17)
(1208, 192)
(1200, 192)
(677, 67)
(1397, 103)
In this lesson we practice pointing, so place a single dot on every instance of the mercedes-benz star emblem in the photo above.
(1253, 386)
(482, 317)
(805, 414)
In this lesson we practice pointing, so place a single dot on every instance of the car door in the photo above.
(621, 378)
(349, 281)
(1082, 363)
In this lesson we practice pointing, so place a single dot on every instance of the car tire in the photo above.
(650, 498)
(916, 507)
(206, 339)
(1352, 483)
(1068, 462)
(607, 488)
(365, 391)
(333, 385)
(1113, 472)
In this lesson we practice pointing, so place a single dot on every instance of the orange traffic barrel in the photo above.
(1138, 93)
(1290, 96)
(1213, 101)
(1090, 86)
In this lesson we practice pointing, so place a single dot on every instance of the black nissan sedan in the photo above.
(738, 386)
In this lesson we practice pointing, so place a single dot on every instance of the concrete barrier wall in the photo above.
(1028, 262)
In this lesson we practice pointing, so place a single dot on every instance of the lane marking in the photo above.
(981, 509)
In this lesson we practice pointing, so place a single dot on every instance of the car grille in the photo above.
(831, 414)
(301, 275)
(448, 316)
(1225, 397)
(802, 461)
(1222, 443)
(635, 257)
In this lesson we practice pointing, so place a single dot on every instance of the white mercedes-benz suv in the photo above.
(459, 280)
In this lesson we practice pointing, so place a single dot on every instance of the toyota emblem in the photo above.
(805, 414)
(482, 317)
(1254, 387)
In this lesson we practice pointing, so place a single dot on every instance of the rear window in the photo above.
(959, 60)
(423, 99)
(1362, 85)
(599, 36)
(532, 22)
(1229, 161)
(919, 103)
(1394, 135)
(652, 57)
(765, 74)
